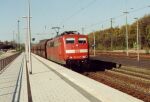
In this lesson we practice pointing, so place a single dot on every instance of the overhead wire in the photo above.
(77, 12)
(100, 22)
(115, 17)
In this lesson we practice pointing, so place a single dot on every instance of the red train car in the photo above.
(68, 48)
(42, 48)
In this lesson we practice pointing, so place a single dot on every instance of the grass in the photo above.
(1, 53)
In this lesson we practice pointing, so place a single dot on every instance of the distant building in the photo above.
(1, 43)
(5, 45)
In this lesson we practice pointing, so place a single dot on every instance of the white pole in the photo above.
(26, 43)
(137, 40)
(94, 42)
(138, 55)
(26, 40)
(29, 38)
(18, 35)
(26, 47)
(127, 47)
(127, 36)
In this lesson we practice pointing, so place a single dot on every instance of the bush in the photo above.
(147, 51)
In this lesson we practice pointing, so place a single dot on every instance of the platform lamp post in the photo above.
(137, 39)
(29, 38)
(18, 34)
(16, 39)
(127, 47)
(26, 46)
(26, 39)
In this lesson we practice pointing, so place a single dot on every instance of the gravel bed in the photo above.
(135, 86)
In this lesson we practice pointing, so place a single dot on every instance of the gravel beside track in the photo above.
(129, 80)
(123, 60)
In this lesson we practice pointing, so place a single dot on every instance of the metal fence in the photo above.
(5, 61)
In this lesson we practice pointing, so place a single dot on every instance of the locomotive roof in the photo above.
(70, 32)
(64, 33)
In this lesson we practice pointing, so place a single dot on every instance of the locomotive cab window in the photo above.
(70, 40)
(50, 44)
(82, 40)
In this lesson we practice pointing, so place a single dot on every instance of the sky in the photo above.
(69, 15)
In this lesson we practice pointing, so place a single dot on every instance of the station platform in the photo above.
(12, 79)
(50, 82)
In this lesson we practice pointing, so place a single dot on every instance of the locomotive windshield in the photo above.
(70, 40)
(82, 40)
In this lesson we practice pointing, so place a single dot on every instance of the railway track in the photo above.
(131, 80)
(123, 54)
(137, 72)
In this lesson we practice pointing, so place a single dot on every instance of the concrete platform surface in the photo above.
(86, 86)
(11, 80)
(47, 86)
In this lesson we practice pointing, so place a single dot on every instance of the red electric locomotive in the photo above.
(68, 48)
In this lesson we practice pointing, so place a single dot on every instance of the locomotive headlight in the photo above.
(70, 57)
(84, 56)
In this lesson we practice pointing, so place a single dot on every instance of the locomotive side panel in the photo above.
(55, 50)
(61, 50)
